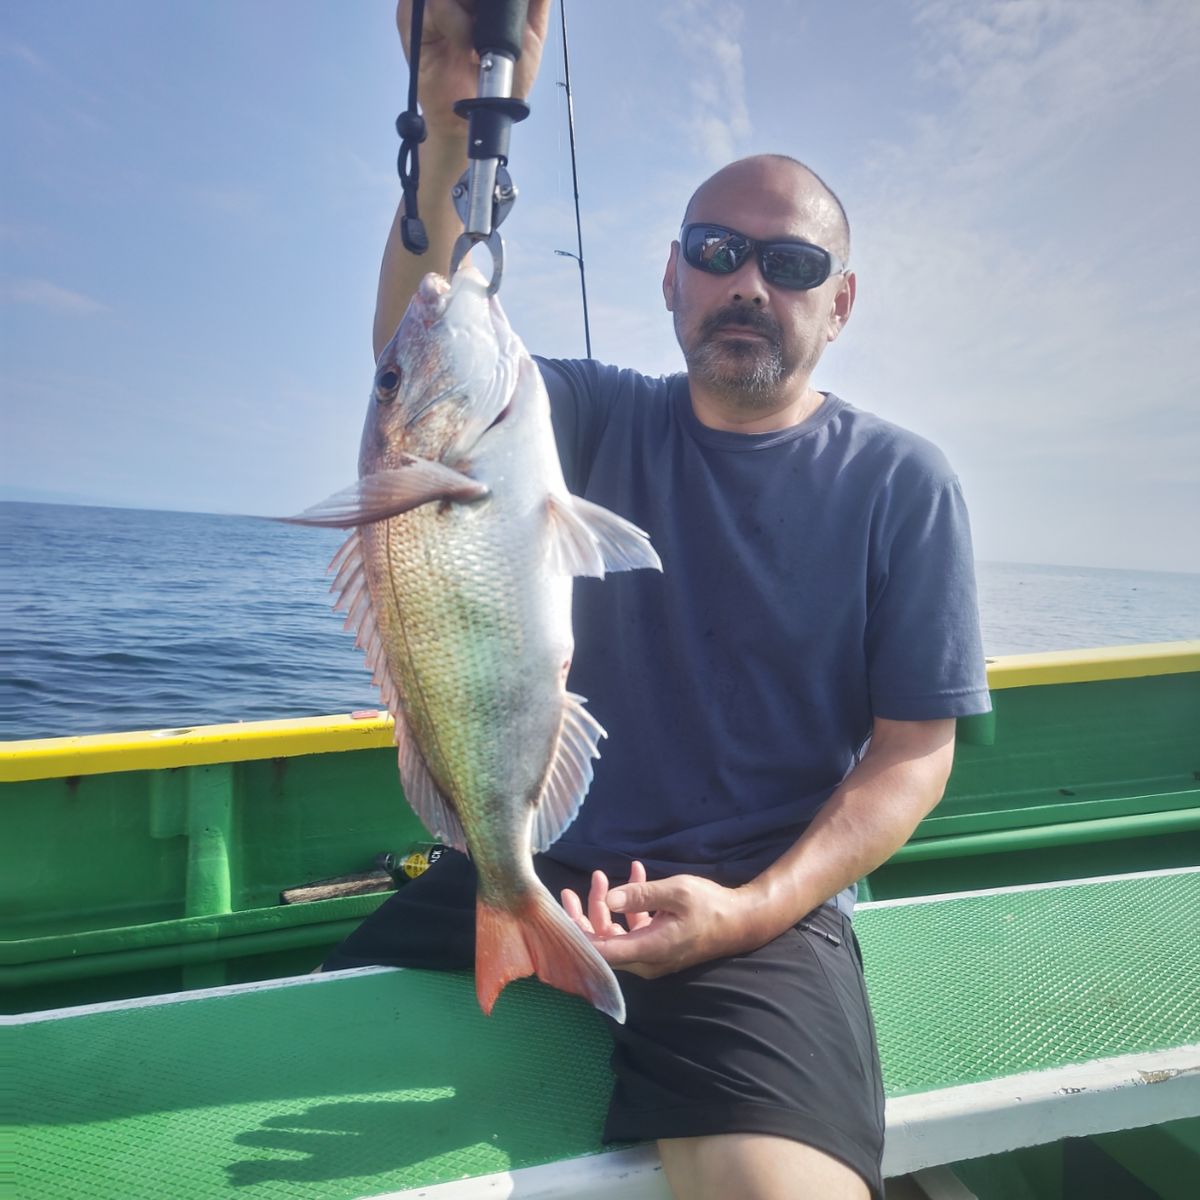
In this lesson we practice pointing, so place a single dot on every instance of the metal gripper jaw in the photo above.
(483, 197)
(485, 193)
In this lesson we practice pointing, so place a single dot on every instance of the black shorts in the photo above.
(779, 1041)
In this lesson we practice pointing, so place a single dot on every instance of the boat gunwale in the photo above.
(244, 741)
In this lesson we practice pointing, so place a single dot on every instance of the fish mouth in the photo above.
(433, 286)
(467, 283)
(432, 296)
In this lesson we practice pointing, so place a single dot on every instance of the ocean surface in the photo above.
(118, 619)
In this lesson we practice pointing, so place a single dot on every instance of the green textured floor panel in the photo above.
(991, 985)
(337, 1087)
(354, 1085)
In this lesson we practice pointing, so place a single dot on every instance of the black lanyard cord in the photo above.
(410, 125)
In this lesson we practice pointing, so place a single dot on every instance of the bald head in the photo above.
(792, 182)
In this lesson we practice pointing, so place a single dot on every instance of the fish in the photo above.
(457, 578)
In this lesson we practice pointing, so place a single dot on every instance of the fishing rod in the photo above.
(578, 257)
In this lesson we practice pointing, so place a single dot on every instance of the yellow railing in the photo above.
(1088, 666)
(95, 754)
(148, 750)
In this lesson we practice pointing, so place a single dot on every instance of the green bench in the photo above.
(1007, 1018)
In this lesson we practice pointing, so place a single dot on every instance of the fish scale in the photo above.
(449, 667)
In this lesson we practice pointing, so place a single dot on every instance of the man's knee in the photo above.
(756, 1166)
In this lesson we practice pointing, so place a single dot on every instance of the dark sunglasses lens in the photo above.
(711, 248)
(794, 266)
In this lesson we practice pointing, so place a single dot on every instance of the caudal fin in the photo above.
(538, 938)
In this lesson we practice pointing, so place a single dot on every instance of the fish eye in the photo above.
(387, 384)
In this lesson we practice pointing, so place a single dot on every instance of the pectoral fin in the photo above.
(587, 539)
(389, 493)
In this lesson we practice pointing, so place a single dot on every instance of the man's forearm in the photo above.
(443, 160)
(682, 920)
(449, 73)
(871, 815)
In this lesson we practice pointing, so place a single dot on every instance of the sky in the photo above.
(195, 197)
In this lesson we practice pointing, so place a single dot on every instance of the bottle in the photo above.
(414, 861)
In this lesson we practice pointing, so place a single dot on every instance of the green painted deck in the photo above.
(369, 1082)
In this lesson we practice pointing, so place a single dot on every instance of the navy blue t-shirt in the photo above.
(813, 578)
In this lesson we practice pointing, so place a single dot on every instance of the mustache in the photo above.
(734, 316)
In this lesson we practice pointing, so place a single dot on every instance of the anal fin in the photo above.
(423, 794)
(570, 773)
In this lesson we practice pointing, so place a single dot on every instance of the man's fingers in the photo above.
(641, 897)
(574, 909)
(637, 920)
(625, 898)
(454, 19)
(449, 21)
(638, 951)
(598, 910)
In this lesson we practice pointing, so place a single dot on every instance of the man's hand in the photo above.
(449, 72)
(449, 64)
(670, 924)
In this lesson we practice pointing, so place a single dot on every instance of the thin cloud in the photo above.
(1029, 73)
(41, 293)
(65, 96)
(1000, 236)
(717, 117)
(1014, 302)
(26, 54)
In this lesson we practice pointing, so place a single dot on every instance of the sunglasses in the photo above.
(721, 251)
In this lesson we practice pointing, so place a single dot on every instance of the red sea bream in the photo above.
(457, 577)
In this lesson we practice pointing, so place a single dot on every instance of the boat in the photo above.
(1031, 955)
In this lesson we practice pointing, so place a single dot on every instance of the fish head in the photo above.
(446, 376)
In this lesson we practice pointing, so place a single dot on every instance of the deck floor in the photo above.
(369, 1082)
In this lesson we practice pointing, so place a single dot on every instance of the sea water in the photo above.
(118, 619)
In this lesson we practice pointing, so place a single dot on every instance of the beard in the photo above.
(747, 372)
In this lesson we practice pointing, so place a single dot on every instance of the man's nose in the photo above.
(746, 285)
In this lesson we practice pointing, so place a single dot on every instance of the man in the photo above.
(780, 701)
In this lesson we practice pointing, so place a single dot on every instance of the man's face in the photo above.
(743, 337)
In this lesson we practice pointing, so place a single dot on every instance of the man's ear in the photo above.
(843, 303)
(669, 277)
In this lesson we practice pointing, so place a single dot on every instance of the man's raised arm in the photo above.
(449, 72)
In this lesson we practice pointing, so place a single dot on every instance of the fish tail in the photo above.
(538, 938)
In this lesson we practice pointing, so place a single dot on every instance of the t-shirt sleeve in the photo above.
(580, 391)
(924, 649)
